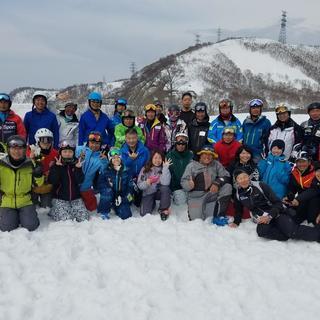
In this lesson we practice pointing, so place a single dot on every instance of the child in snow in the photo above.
(275, 170)
(66, 176)
(227, 147)
(154, 181)
(115, 187)
(43, 153)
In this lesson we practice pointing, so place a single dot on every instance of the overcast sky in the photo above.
(53, 44)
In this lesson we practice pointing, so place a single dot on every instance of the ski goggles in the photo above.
(46, 139)
(16, 143)
(4, 96)
(255, 103)
(200, 108)
(149, 107)
(94, 137)
(123, 102)
(181, 143)
(114, 153)
(281, 109)
(67, 145)
(228, 130)
(225, 104)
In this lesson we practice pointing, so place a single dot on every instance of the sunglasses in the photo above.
(4, 96)
(256, 103)
(225, 104)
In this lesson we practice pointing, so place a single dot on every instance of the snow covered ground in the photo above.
(143, 268)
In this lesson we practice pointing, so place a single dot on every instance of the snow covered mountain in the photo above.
(239, 69)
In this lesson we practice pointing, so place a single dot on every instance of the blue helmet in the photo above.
(121, 101)
(95, 96)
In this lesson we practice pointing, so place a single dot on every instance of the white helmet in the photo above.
(43, 133)
(182, 134)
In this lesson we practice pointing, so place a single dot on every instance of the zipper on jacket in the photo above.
(70, 186)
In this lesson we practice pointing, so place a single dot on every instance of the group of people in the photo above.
(104, 164)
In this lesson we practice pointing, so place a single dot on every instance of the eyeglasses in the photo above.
(94, 137)
(46, 139)
(256, 103)
(4, 96)
(16, 144)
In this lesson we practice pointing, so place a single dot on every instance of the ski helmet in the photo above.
(121, 101)
(226, 103)
(181, 135)
(200, 106)
(67, 145)
(282, 108)
(174, 107)
(128, 114)
(228, 130)
(95, 96)
(151, 107)
(71, 104)
(39, 94)
(5, 97)
(43, 133)
(313, 106)
(16, 141)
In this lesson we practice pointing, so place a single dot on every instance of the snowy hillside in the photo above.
(237, 68)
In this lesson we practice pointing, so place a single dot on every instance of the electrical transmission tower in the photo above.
(198, 42)
(283, 29)
(133, 68)
(219, 32)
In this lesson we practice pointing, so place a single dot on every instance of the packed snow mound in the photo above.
(143, 268)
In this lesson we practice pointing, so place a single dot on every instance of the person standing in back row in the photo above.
(186, 113)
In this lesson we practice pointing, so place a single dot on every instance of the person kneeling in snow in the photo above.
(207, 181)
(18, 175)
(115, 186)
(273, 220)
(43, 153)
(66, 176)
(154, 180)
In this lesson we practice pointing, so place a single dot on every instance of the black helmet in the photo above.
(16, 141)
(313, 105)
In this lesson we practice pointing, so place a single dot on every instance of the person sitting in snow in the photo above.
(18, 176)
(94, 162)
(180, 157)
(115, 187)
(207, 181)
(275, 170)
(66, 176)
(128, 121)
(273, 220)
(227, 147)
(43, 153)
(134, 156)
(154, 180)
